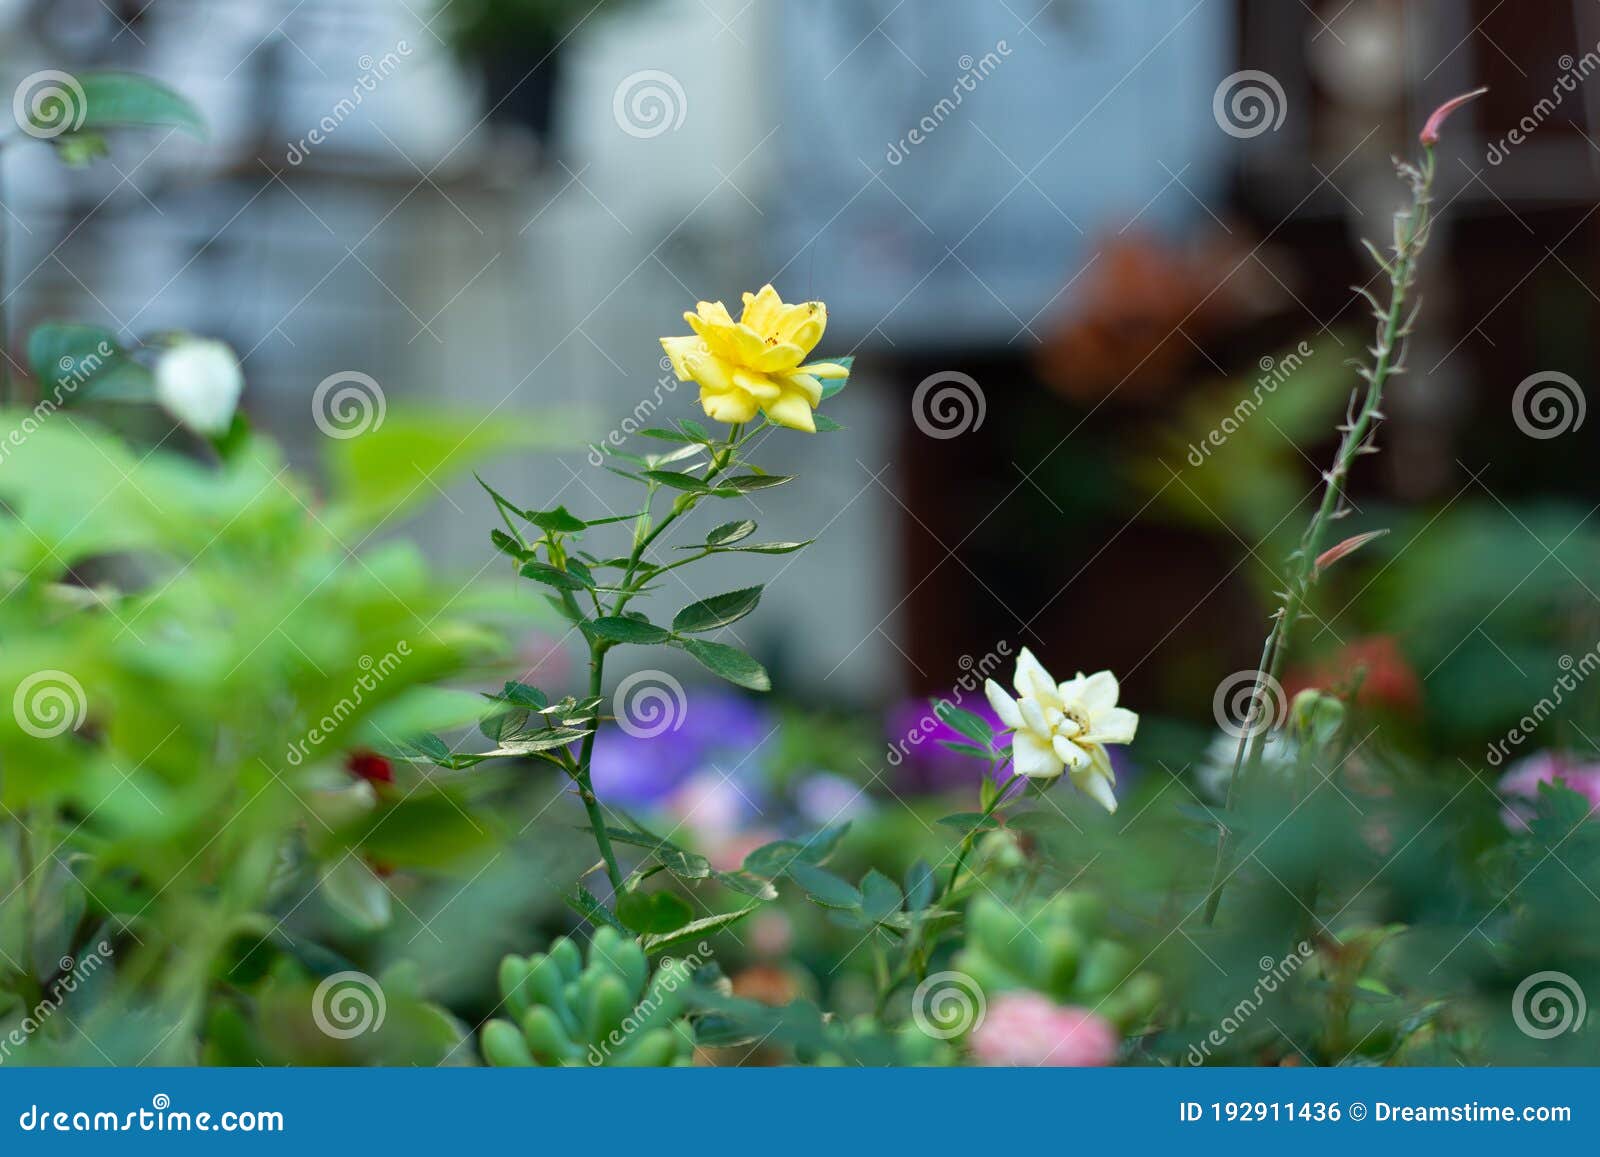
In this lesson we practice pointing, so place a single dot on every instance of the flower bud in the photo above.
(199, 381)
(1315, 717)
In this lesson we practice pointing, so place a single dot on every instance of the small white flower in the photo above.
(1064, 726)
(199, 381)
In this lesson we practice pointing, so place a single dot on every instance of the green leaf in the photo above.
(587, 905)
(523, 695)
(664, 435)
(831, 386)
(971, 749)
(677, 481)
(919, 885)
(728, 663)
(771, 860)
(823, 886)
(694, 930)
(689, 865)
(717, 611)
(825, 424)
(505, 544)
(93, 101)
(729, 533)
(744, 483)
(747, 883)
(75, 362)
(560, 520)
(972, 726)
(880, 896)
(524, 742)
(653, 912)
(566, 580)
(968, 822)
(766, 547)
(694, 429)
(623, 629)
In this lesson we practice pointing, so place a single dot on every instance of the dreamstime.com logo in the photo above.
(973, 73)
(1249, 103)
(1274, 973)
(373, 72)
(672, 975)
(348, 404)
(49, 703)
(348, 1004)
(948, 404)
(648, 103)
(974, 673)
(948, 1004)
(639, 418)
(49, 103)
(1548, 1004)
(1241, 710)
(1274, 372)
(1548, 404)
(649, 703)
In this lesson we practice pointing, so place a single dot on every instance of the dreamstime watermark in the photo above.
(1273, 974)
(373, 73)
(973, 73)
(1548, 404)
(49, 703)
(1248, 703)
(948, 404)
(160, 1117)
(648, 103)
(1547, 1004)
(374, 673)
(1274, 372)
(348, 404)
(948, 1005)
(1248, 103)
(72, 974)
(1573, 73)
(974, 674)
(673, 974)
(348, 1004)
(649, 703)
(1576, 672)
(49, 103)
(74, 371)
(639, 417)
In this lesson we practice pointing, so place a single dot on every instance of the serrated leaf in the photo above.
(688, 865)
(730, 532)
(823, 886)
(968, 822)
(677, 480)
(728, 663)
(664, 435)
(524, 695)
(566, 580)
(653, 913)
(747, 883)
(586, 904)
(560, 520)
(919, 885)
(694, 930)
(622, 629)
(505, 544)
(972, 726)
(744, 483)
(717, 611)
(694, 429)
(880, 896)
(766, 547)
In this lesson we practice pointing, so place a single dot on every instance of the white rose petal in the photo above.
(199, 382)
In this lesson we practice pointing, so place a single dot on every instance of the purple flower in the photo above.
(915, 735)
(1521, 783)
(720, 733)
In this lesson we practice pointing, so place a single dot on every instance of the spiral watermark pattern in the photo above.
(948, 1004)
(347, 1004)
(49, 703)
(348, 404)
(1249, 103)
(1547, 1004)
(648, 103)
(49, 103)
(1548, 404)
(649, 703)
(1242, 710)
(948, 404)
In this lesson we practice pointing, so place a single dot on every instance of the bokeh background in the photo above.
(1095, 226)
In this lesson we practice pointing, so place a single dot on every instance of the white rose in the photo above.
(199, 381)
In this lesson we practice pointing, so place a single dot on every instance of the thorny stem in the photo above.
(1411, 229)
(721, 459)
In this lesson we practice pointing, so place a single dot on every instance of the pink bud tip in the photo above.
(1430, 130)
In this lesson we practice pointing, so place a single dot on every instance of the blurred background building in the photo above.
(1046, 228)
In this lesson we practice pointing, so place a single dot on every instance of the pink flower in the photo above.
(1430, 130)
(1522, 780)
(1025, 1028)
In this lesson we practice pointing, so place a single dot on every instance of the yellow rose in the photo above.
(755, 363)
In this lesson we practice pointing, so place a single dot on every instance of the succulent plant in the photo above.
(1058, 948)
(610, 1011)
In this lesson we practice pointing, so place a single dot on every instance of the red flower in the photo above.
(1386, 678)
(370, 766)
